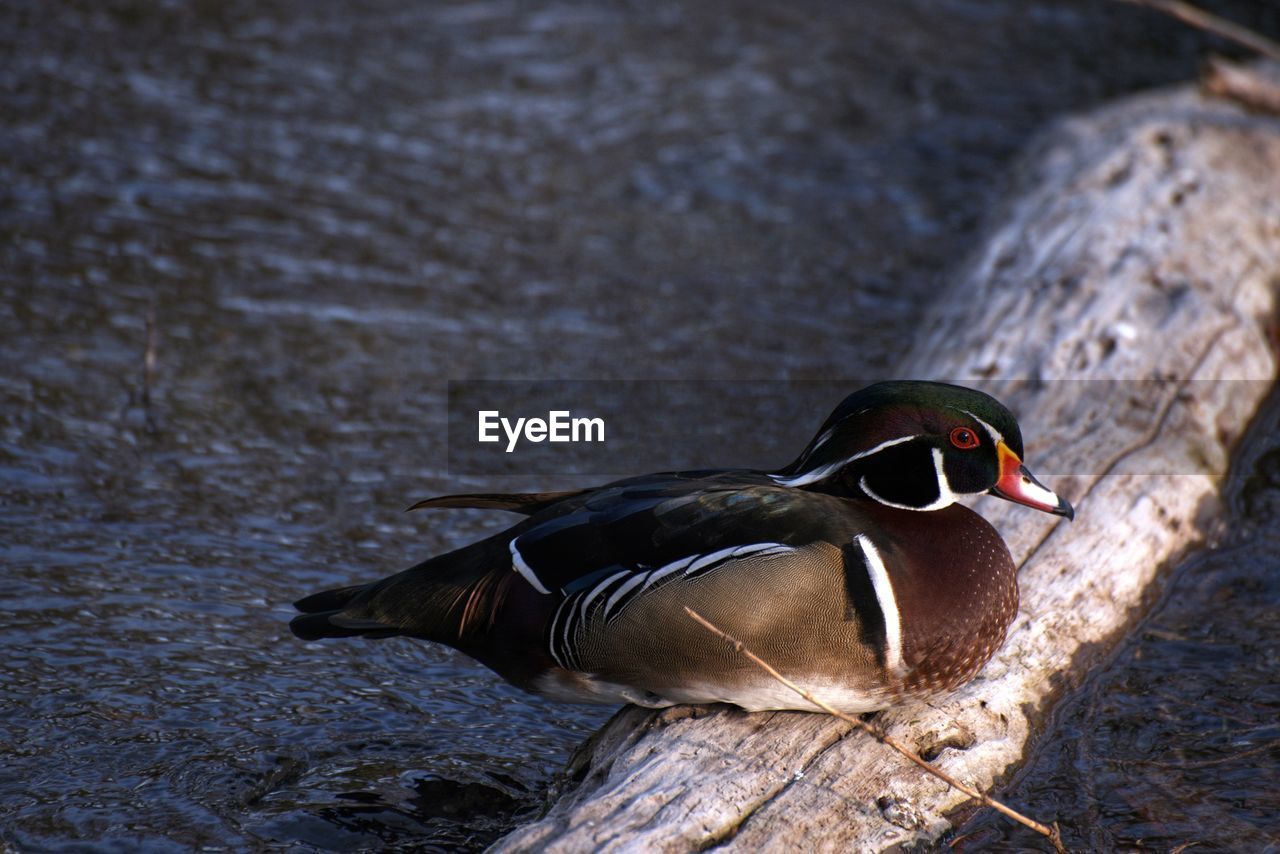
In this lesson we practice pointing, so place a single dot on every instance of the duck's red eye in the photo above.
(964, 438)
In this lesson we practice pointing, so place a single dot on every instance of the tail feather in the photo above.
(331, 624)
(329, 600)
(323, 617)
(434, 600)
(527, 503)
(456, 599)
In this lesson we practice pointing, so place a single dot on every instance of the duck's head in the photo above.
(918, 445)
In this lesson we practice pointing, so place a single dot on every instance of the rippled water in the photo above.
(331, 212)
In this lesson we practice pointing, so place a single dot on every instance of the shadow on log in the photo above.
(1120, 307)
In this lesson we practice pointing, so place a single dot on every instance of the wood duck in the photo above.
(852, 570)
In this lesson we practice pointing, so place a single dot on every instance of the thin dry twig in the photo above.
(880, 735)
(149, 369)
(1210, 23)
(1246, 86)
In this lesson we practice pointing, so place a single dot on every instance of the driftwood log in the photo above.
(1121, 307)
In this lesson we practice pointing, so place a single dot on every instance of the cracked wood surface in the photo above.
(1120, 307)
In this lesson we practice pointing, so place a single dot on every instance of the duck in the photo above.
(854, 570)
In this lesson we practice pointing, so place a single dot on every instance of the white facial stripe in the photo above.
(888, 605)
(945, 496)
(886, 502)
(996, 436)
(818, 474)
(807, 477)
(519, 565)
(819, 442)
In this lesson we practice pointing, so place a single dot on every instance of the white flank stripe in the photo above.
(557, 630)
(567, 630)
(589, 599)
(888, 605)
(711, 558)
(768, 549)
(806, 478)
(736, 551)
(760, 548)
(635, 579)
(659, 574)
(518, 564)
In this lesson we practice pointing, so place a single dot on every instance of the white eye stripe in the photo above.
(996, 436)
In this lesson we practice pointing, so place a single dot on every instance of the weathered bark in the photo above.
(1125, 294)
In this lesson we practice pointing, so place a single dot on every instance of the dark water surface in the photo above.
(330, 213)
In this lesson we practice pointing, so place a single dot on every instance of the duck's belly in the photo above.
(754, 695)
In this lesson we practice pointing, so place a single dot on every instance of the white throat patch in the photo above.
(946, 497)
